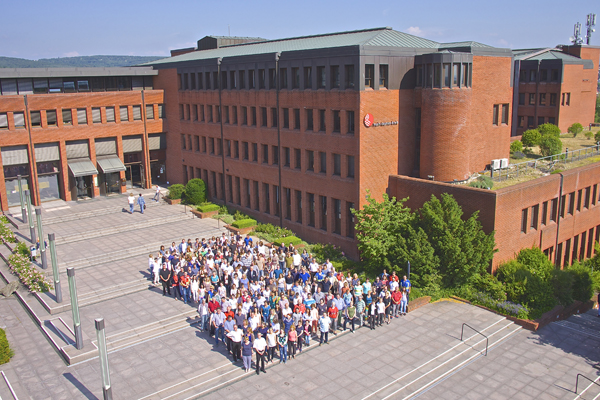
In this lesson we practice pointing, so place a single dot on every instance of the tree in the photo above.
(575, 129)
(531, 137)
(195, 192)
(550, 145)
(549, 129)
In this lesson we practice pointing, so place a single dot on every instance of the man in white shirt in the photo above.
(131, 201)
(260, 347)
(236, 336)
(297, 259)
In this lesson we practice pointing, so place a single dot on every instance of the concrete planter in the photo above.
(208, 214)
(417, 303)
(242, 231)
(172, 201)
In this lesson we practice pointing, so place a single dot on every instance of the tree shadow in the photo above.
(80, 386)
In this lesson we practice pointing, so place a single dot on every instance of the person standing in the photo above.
(396, 299)
(131, 201)
(292, 341)
(403, 302)
(260, 346)
(235, 335)
(141, 202)
(324, 323)
(405, 283)
(333, 314)
(349, 315)
(204, 313)
(247, 354)
(165, 279)
(157, 194)
(282, 339)
(184, 285)
(271, 345)
(217, 322)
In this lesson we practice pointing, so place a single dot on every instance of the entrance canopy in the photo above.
(110, 164)
(82, 167)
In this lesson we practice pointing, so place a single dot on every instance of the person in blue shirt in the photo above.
(265, 310)
(304, 275)
(405, 283)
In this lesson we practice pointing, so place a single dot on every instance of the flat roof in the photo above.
(69, 72)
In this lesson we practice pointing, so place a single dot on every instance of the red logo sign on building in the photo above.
(368, 120)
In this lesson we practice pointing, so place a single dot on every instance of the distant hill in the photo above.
(84, 61)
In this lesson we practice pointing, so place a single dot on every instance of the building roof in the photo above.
(71, 72)
(376, 37)
(546, 54)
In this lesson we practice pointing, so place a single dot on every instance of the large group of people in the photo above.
(271, 301)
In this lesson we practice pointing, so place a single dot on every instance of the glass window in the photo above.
(383, 75)
(283, 79)
(350, 118)
(295, 78)
(455, 74)
(309, 120)
(446, 75)
(336, 121)
(51, 117)
(335, 76)
(349, 76)
(350, 166)
(307, 78)
(110, 114)
(67, 117)
(369, 76)
(323, 162)
(337, 164)
(321, 78)
(96, 116)
(505, 114)
(36, 118)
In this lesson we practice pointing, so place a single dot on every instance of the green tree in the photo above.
(549, 129)
(550, 145)
(195, 192)
(461, 246)
(575, 129)
(516, 146)
(531, 137)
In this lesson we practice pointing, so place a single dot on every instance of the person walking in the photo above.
(260, 347)
(141, 202)
(156, 197)
(131, 201)
(247, 354)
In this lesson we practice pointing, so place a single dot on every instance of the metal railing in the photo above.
(462, 331)
(577, 382)
(544, 165)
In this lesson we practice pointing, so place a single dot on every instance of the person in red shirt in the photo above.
(213, 305)
(299, 308)
(396, 299)
(333, 314)
(232, 314)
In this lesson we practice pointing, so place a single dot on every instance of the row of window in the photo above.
(575, 248)
(583, 199)
(74, 85)
(531, 121)
(79, 116)
(543, 97)
(532, 75)
(448, 75)
(496, 114)
(314, 161)
(248, 193)
(269, 118)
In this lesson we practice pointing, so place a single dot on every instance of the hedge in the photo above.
(175, 191)
(194, 192)
(244, 223)
(287, 240)
(208, 207)
(5, 351)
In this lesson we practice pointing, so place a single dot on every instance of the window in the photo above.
(251, 80)
(310, 160)
(521, 121)
(242, 75)
(586, 201)
(553, 98)
(437, 75)
(534, 216)
(350, 122)
(36, 118)
(265, 151)
(383, 75)
(540, 121)
(96, 117)
(554, 75)
(51, 117)
(349, 76)
(187, 112)
(275, 155)
(594, 193)
(288, 203)
(322, 125)
(553, 210)
(552, 120)
(19, 118)
(505, 114)
(283, 78)
(261, 79)
(532, 75)
(272, 80)
(350, 167)
(3, 121)
(455, 74)
(524, 220)
(267, 192)
(211, 145)
(337, 164)
(544, 213)
(307, 77)
(137, 113)
(323, 162)
(337, 216)
(336, 121)
(263, 118)
(232, 79)
(254, 152)
(350, 219)
(110, 114)
(542, 99)
(296, 78)
(201, 112)
(123, 113)
(532, 99)
(227, 148)
(522, 76)
(298, 206)
(253, 116)
(495, 114)
(309, 120)
(183, 142)
(571, 203)
(204, 144)
(311, 209)
(245, 151)
(579, 199)
(209, 113)
(244, 115)
(82, 116)
(194, 112)
(530, 122)
(297, 159)
(321, 78)
(184, 82)
(543, 75)
(200, 81)
(196, 143)
(323, 201)
(215, 75)
(67, 116)
(297, 118)
(466, 75)
(563, 203)
(193, 81)
(369, 76)
(286, 118)
(225, 114)
(334, 72)
(286, 157)
(521, 99)
(236, 149)
(219, 149)
(234, 115)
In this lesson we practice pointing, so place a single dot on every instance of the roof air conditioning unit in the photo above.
(504, 163)
(495, 164)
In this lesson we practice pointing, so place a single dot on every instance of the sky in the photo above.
(64, 28)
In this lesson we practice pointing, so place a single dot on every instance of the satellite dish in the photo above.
(572, 38)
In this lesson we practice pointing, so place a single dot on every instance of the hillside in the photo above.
(83, 61)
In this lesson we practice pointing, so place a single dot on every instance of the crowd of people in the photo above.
(272, 301)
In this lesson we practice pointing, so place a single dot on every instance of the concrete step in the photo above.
(582, 329)
(49, 220)
(10, 386)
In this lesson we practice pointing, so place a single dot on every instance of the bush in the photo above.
(270, 232)
(549, 129)
(550, 145)
(518, 155)
(23, 249)
(238, 216)
(6, 353)
(517, 145)
(194, 192)
(575, 129)
(6, 234)
(597, 136)
(31, 277)
(208, 207)
(487, 283)
(482, 182)
(175, 191)
(582, 283)
(243, 223)
(531, 137)
(288, 240)
(589, 135)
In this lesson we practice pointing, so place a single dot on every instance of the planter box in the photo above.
(417, 303)
(173, 201)
(240, 231)
(201, 214)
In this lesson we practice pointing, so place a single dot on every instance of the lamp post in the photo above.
(57, 288)
(23, 212)
(31, 228)
(38, 216)
(101, 336)
(75, 309)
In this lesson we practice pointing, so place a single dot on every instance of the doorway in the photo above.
(83, 187)
(134, 176)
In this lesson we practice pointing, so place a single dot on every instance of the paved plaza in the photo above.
(156, 350)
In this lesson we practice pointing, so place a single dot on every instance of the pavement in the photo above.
(156, 350)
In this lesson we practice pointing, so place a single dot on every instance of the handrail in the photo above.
(462, 331)
(577, 381)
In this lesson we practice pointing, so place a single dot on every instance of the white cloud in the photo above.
(502, 42)
(71, 54)
(415, 30)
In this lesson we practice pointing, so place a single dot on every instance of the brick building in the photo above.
(73, 133)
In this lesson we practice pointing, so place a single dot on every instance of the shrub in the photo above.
(575, 129)
(482, 182)
(6, 352)
(518, 155)
(597, 136)
(175, 191)
(208, 207)
(503, 307)
(589, 135)
(488, 283)
(23, 249)
(549, 129)
(550, 145)
(194, 192)
(244, 223)
(288, 240)
(6, 234)
(238, 216)
(531, 137)
(517, 145)
(273, 230)
(31, 277)
(583, 285)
